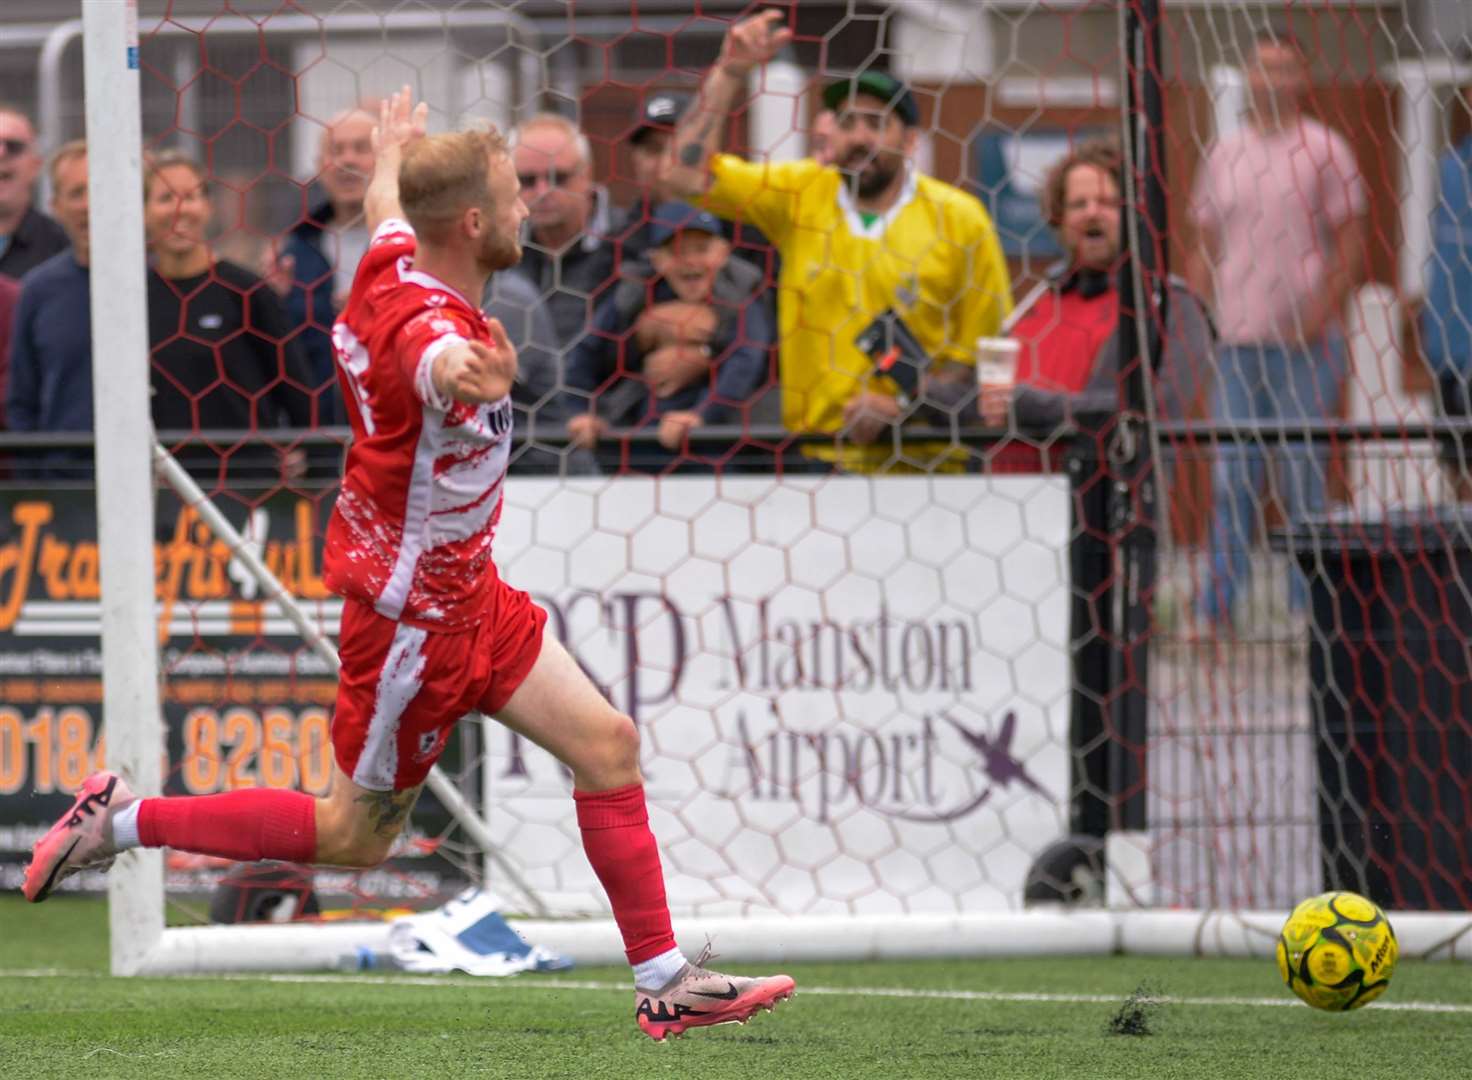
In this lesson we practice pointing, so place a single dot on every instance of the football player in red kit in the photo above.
(430, 632)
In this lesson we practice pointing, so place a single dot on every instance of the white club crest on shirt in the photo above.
(436, 299)
(443, 326)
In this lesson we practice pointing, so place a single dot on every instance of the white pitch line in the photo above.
(1002, 996)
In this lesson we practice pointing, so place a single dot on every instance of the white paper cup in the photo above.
(996, 361)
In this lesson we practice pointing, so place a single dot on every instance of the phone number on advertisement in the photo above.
(54, 750)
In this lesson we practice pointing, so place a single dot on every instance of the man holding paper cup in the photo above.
(888, 276)
(1061, 358)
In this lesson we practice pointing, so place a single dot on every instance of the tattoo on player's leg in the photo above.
(388, 809)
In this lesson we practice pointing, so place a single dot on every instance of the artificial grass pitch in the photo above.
(1017, 1019)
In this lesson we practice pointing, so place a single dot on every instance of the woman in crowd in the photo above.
(223, 360)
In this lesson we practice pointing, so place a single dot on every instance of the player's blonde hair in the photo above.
(442, 176)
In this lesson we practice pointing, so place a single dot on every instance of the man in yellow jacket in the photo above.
(863, 238)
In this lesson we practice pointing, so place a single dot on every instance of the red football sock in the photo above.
(249, 824)
(617, 841)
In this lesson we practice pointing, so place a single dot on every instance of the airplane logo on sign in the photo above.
(1002, 768)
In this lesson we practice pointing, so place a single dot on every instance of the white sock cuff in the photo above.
(655, 973)
(125, 826)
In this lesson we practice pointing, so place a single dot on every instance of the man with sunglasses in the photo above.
(870, 248)
(566, 254)
(548, 299)
(27, 237)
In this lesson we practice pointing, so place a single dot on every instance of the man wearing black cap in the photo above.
(648, 145)
(696, 311)
(865, 241)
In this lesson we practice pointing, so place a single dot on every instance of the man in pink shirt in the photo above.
(1279, 205)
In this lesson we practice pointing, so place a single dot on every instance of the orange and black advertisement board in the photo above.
(246, 700)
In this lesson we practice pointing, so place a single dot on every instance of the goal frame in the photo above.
(140, 941)
(141, 944)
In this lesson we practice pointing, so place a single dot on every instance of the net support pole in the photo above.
(130, 703)
(1134, 511)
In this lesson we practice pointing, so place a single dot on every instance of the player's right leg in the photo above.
(557, 707)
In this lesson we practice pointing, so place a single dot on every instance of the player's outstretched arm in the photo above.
(749, 43)
(475, 373)
(400, 122)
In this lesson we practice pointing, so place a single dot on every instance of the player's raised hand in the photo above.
(753, 42)
(400, 121)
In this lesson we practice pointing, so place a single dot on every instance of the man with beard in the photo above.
(864, 238)
(1069, 367)
(430, 631)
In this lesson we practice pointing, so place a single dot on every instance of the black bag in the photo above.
(895, 352)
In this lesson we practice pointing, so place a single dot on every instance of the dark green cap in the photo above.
(879, 84)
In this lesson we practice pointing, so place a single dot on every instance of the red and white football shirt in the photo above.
(411, 532)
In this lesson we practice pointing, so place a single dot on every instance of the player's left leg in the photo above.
(352, 826)
(357, 826)
(400, 691)
(106, 818)
(557, 707)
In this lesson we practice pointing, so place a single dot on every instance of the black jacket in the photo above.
(35, 240)
(309, 306)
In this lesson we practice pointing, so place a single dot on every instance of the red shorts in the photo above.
(403, 688)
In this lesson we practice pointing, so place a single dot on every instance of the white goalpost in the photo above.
(853, 692)
(124, 473)
(127, 459)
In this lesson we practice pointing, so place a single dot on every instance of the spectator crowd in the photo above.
(810, 310)
(707, 318)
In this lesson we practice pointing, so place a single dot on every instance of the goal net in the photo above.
(1142, 669)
